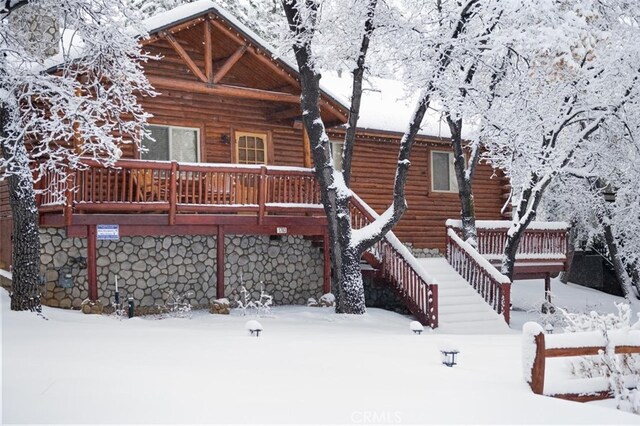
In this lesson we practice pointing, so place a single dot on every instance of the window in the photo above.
(172, 143)
(336, 154)
(443, 174)
(251, 148)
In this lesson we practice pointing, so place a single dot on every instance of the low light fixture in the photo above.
(449, 350)
(225, 139)
(416, 327)
(548, 328)
(254, 327)
(449, 357)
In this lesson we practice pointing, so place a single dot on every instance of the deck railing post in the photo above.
(173, 196)
(433, 305)
(506, 301)
(262, 189)
(68, 208)
(537, 370)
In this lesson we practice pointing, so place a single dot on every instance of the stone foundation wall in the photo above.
(378, 294)
(424, 252)
(150, 268)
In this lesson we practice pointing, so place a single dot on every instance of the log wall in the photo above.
(423, 224)
(6, 227)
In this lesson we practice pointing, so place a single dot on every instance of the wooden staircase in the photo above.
(468, 272)
(393, 262)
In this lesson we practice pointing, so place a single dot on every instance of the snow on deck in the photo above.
(460, 308)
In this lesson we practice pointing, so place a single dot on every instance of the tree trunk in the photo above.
(524, 215)
(612, 247)
(464, 177)
(25, 294)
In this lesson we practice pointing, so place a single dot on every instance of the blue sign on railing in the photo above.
(108, 232)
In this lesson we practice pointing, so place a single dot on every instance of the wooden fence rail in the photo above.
(494, 287)
(565, 345)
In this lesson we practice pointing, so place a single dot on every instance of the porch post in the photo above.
(220, 263)
(92, 270)
(326, 285)
(547, 287)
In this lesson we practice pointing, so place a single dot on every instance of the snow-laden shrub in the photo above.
(616, 367)
(327, 299)
(262, 305)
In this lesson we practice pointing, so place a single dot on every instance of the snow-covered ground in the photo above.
(308, 366)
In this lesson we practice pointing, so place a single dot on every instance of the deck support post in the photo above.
(547, 287)
(220, 263)
(326, 284)
(92, 270)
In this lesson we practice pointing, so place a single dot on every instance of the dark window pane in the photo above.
(440, 171)
(158, 149)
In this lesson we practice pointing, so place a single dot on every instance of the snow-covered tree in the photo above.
(259, 15)
(341, 34)
(573, 74)
(69, 75)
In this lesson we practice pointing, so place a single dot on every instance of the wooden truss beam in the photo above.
(208, 58)
(223, 90)
(185, 57)
(233, 59)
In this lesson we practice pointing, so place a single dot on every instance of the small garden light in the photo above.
(449, 357)
(254, 327)
(416, 327)
(449, 351)
(548, 328)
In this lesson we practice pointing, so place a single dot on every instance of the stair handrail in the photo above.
(492, 285)
(418, 289)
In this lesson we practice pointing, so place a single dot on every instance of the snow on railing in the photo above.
(172, 187)
(537, 347)
(494, 287)
(541, 240)
(398, 266)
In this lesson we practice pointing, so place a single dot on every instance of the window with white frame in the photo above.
(336, 154)
(443, 174)
(172, 143)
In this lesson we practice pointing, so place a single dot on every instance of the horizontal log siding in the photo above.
(218, 115)
(6, 225)
(423, 223)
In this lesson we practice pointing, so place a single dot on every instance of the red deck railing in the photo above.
(174, 188)
(397, 266)
(494, 287)
(541, 241)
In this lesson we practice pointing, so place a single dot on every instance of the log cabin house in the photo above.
(226, 195)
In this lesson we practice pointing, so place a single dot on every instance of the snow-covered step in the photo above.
(461, 309)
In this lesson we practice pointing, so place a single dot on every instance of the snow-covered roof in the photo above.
(387, 105)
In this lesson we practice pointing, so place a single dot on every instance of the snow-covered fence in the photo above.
(537, 347)
(541, 240)
(494, 287)
(398, 267)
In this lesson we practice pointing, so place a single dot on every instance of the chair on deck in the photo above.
(147, 186)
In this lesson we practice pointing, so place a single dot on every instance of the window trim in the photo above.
(452, 173)
(198, 131)
(268, 149)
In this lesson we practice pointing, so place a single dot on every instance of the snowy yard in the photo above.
(309, 366)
